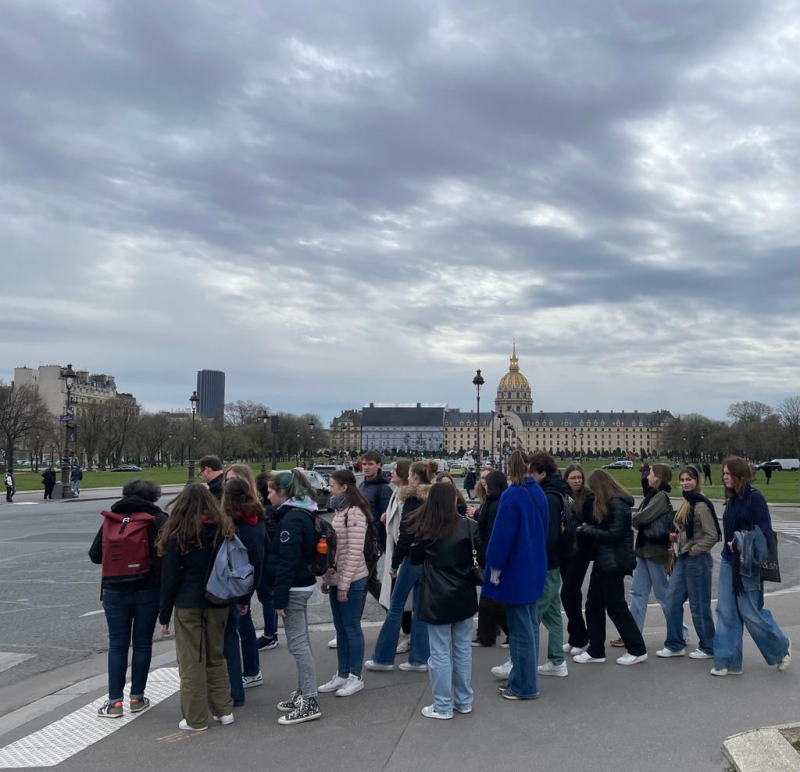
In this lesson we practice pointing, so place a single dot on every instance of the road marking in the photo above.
(9, 659)
(789, 529)
(81, 728)
(92, 613)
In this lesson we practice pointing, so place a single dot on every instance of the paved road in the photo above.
(50, 612)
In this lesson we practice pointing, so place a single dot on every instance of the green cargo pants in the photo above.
(550, 616)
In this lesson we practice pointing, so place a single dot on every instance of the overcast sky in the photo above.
(338, 203)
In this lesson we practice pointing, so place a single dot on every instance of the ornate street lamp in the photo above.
(193, 400)
(69, 375)
(298, 448)
(478, 381)
(311, 426)
(264, 420)
(169, 451)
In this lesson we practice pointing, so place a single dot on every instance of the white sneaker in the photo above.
(429, 711)
(585, 657)
(699, 654)
(502, 671)
(332, 643)
(409, 668)
(250, 681)
(787, 658)
(352, 685)
(224, 720)
(575, 650)
(370, 664)
(403, 644)
(186, 728)
(631, 659)
(337, 682)
(667, 653)
(566, 648)
(554, 670)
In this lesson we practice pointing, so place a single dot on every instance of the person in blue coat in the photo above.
(516, 569)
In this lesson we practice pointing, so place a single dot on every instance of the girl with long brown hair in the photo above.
(612, 552)
(187, 543)
(345, 586)
(740, 597)
(445, 545)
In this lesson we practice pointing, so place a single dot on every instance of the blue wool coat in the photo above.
(518, 546)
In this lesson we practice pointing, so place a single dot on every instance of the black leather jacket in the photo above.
(612, 539)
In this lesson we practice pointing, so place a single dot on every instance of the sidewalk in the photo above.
(662, 715)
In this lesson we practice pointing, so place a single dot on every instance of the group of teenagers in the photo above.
(513, 561)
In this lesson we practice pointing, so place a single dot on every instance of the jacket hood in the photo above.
(555, 483)
(133, 504)
(627, 498)
(419, 491)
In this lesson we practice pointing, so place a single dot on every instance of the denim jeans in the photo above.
(386, 646)
(76, 486)
(233, 655)
(295, 627)
(691, 578)
(251, 664)
(523, 635)
(649, 575)
(746, 609)
(450, 665)
(349, 635)
(131, 619)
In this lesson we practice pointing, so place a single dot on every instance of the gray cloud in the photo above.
(338, 205)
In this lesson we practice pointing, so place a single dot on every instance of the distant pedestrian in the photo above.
(740, 593)
(188, 542)
(767, 472)
(707, 473)
(131, 606)
(76, 478)
(241, 503)
(644, 472)
(377, 492)
(10, 489)
(469, 483)
(697, 533)
(49, 482)
(516, 568)
(210, 469)
(461, 504)
(614, 558)
(345, 584)
(444, 546)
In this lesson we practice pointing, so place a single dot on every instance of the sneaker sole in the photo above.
(672, 655)
(109, 715)
(253, 684)
(303, 720)
(507, 696)
(463, 711)
(350, 694)
(551, 673)
(140, 710)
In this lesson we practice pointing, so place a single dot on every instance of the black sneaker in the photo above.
(509, 695)
(265, 643)
(307, 710)
(287, 706)
(138, 704)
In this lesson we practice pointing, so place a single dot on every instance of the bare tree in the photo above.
(789, 414)
(120, 417)
(749, 410)
(22, 412)
(154, 430)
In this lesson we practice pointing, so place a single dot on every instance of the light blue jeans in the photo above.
(691, 578)
(450, 665)
(386, 645)
(649, 575)
(745, 610)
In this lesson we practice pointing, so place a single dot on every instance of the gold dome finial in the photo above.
(514, 360)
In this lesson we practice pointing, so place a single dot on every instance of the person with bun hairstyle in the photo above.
(289, 567)
(411, 497)
(611, 538)
(740, 597)
(697, 532)
(516, 569)
(187, 544)
(241, 503)
(347, 583)
(392, 524)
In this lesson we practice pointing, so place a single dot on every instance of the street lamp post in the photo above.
(311, 449)
(581, 439)
(684, 450)
(702, 437)
(68, 374)
(499, 417)
(275, 425)
(503, 438)
(298, 448)
(36, 452)
(193, 400)
(264, 419)
(169, 451)
(478, 381)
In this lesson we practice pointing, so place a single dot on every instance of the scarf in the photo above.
(246, 517)
(695, 498)
(308, 504)
(340, 502)
(651, 493)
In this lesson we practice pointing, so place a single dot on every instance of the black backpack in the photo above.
(567, 528)
(324, 546)
(372, 547)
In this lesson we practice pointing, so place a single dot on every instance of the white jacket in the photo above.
(393, 512)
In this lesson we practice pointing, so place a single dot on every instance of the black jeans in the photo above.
(491, 615)
(373, 587)
(607, 594)
(645, 486)
(573, 572)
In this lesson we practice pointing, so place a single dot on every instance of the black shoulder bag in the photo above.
(771, 567)
(476, 573)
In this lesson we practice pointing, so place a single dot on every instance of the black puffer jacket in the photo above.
(486, 518)
(446, 593)
(377, 492)
(554, 487)
(612, 539)
(291, 553)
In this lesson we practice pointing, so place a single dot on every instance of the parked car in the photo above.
(457, 470)
(619, 465)
(781, 464)
(127, 468)
(320, 486)
(386, 470)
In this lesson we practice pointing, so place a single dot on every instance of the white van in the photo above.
(781, 465)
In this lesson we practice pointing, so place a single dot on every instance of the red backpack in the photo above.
(126, 546)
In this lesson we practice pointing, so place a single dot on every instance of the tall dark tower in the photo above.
(211, 390)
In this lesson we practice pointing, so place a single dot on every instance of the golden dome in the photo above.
(513, 379)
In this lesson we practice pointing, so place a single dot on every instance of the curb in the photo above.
(762, 750)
